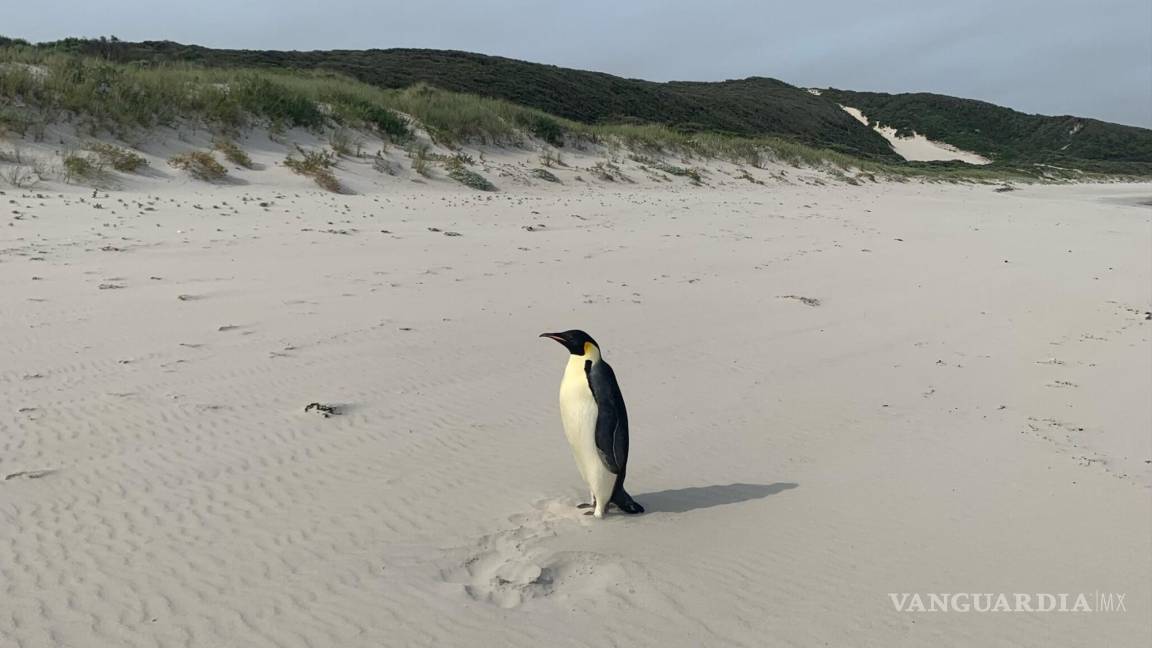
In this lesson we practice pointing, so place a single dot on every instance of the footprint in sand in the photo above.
(512, 567)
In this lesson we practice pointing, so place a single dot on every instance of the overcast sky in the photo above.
(1090, 58)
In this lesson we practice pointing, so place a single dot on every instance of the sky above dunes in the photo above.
(1088, 58)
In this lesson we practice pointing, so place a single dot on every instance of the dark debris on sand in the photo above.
(325, 410)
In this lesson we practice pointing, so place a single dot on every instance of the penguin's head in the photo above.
(576, 341)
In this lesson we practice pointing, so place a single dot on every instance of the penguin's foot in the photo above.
(624, 502)
(631, 507)
(584, 505)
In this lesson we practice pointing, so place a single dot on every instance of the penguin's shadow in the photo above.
(681, 500)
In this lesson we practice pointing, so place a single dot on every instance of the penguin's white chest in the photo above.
(578, 413)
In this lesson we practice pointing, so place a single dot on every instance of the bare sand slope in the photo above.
(917, 147)
(964, 409)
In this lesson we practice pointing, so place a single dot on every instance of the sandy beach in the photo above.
(837, 392)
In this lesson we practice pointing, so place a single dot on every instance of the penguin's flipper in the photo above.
(611, 416)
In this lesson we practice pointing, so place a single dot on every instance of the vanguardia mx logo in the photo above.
(1004, 602)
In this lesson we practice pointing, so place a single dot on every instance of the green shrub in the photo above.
(14, 122)
(232, 152)
(202, 165)
(279, 102)
(458, 171)
(359, 111)
(550, 158)
(471, 179)
(546, 128)
(310, 160)
(117, 157)
(608, 172)
(460, 159)
(692, 174)
(316, 165)
(545, 174)
(78, 166)
(387, 122)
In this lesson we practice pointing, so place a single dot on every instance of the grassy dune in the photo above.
(1008, 135)
(749, 107)
(39, 87)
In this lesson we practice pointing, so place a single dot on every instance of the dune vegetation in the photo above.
(746, 107)
(1008, 135)
(40, 86)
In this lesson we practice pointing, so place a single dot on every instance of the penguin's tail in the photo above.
(622, 499)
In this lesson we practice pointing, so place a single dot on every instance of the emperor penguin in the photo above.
(595, 422)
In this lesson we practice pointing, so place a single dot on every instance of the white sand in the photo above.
(918, 148)
(966, 410)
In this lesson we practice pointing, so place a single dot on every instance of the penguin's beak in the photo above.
(555, 336)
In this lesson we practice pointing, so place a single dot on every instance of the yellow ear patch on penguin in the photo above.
(588, 347)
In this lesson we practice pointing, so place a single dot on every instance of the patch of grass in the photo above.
(608, 172)
(551, 158)
(657, 139)
(201, 165)
(117, 157)
(460, 159)
(311, 160)
(838, 174)
(82, 167)
(105, 95)
(343, 143)
(687, 172)
(316, 165)
(421, 159)
(744, 175)
(452, 117)
(545, 174)
(458, 171)
(277, 101)
(545, 127)
(15, 122)
(20, 177)
(41, 167)
(381, 164)
(359, 111)
(471, 179)
(232, 152)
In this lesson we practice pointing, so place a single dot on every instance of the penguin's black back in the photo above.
(611, 417)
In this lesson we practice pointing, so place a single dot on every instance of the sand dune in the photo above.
(918, 148)
(960, 404)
